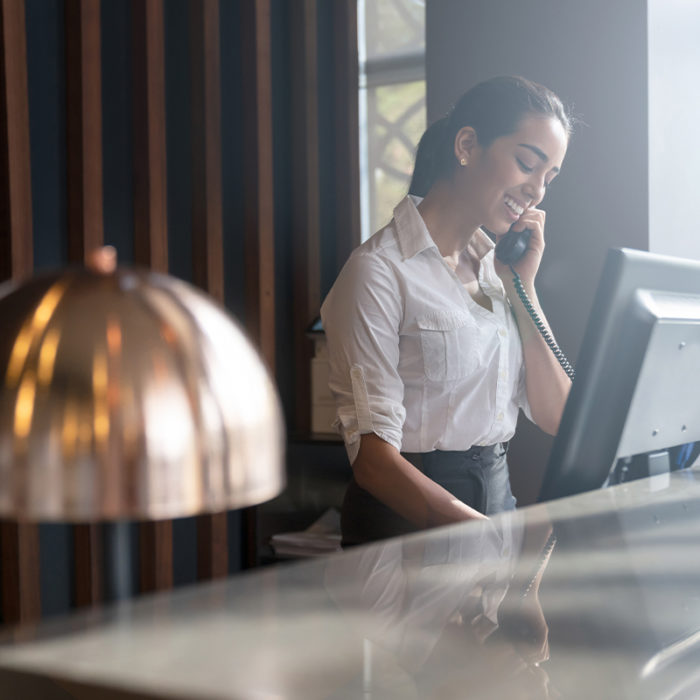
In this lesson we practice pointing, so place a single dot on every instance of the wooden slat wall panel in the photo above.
(19, 542)
(305, 199)
(84, 128)
(258, 199)
(16, 225)
(347, 171)
(151, 223)
(85, 211)
(212, 546)
(87, 554)
(155, 555)
(207, 213)
(258, 192)
(207, 221)
(84, 206)
(149, 151)
(21, 597)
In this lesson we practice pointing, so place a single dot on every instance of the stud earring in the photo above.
(463, 161)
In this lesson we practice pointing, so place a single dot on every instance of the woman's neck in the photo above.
(447, 219)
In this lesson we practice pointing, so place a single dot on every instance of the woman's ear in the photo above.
(465, 144)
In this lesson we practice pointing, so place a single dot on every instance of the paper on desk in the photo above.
(321, 537)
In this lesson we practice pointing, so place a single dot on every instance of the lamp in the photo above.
(127, 394)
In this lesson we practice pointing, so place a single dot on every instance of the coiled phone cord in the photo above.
(571, 372)
(540, 566)
(563, 361)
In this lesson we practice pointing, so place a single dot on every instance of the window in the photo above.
(391, 45)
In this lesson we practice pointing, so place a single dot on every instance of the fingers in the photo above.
(534, 220)
(529, 263)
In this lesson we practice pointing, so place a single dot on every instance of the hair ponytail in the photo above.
(429, 155)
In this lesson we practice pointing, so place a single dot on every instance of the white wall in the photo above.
(674, 127)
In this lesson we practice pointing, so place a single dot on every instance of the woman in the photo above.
(431, 352)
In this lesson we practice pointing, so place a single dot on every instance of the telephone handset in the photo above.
(509, 250)
(512, 246)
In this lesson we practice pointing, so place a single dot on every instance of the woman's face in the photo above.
(512, 174)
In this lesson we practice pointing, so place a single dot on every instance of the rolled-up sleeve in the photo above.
(361, 317)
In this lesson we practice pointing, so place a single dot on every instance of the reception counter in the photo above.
(595, 596)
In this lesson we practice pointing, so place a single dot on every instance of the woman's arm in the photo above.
(380, 469)
(547, 384)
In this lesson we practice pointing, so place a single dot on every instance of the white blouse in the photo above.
(413, 358)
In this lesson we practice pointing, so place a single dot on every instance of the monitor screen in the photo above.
(637, 385)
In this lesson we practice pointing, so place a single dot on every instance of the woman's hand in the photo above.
(528, 265)
(381, 469)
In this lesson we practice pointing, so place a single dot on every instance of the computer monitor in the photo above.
(637, 385)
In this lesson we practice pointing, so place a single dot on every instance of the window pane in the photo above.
(395, 122)
(394, 26)
(391, 36)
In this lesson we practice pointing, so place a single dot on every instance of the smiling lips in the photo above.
(514, 207)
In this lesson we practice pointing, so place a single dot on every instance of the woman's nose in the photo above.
(535, 190)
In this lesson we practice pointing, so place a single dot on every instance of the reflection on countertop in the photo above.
(592, 596)
(469, 597)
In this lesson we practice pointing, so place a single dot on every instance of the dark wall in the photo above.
(47, 120)
(593, 54)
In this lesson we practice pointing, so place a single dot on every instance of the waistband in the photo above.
(474, 452)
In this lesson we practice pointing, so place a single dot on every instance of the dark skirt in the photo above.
(477, 476)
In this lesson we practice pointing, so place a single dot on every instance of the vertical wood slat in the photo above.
(305, 199)
(85, 211)
(155, 555)
(207, 221)
(212, 546)
(207, 211)
(258, 200)
(346, 120)
(149, 148)
(19, 548)
(151, 224)
(19, 542)
(258, 196)
(87, 567)
(84, 128)
(16, 225)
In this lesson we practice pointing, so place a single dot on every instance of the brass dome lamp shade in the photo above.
(127, 394)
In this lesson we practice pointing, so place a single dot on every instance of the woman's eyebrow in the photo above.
(539, 153)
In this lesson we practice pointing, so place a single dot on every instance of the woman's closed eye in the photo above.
(524, 166)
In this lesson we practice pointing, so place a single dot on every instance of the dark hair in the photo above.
(493, 108)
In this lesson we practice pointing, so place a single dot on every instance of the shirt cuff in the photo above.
(382, 418)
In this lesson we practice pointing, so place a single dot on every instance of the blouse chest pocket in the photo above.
(449, 342)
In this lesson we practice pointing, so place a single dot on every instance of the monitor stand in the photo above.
(641, 466)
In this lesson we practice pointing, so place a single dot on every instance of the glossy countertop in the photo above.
(594, 596)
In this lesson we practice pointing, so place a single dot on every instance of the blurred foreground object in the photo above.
(130, 394)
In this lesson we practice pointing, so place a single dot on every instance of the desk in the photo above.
(497, 609)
